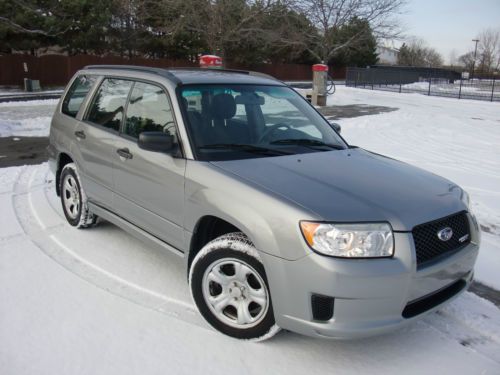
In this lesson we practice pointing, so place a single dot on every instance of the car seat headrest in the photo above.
(223, 107)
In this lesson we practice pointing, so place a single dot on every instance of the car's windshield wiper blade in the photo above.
(244, 147)
(307, 142)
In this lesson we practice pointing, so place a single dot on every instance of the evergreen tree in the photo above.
(362, 51)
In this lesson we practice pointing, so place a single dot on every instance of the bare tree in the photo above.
(489, 50)
(218, 22)
(328, 16)
(467, 60)
(417, 53)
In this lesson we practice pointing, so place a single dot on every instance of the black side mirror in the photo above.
(156, 141)
(335, 126)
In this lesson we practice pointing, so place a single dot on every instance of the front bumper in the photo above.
(370, 295)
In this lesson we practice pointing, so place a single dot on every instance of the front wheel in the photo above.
(229, 286)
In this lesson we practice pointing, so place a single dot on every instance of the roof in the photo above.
(186, 76)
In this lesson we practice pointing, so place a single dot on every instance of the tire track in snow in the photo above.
(46, 238)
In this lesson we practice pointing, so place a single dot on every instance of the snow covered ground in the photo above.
(98, 301)
(25, 119)
(477, 90)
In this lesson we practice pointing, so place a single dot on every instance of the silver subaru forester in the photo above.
(282, 224)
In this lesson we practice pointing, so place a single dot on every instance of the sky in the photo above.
(449, 24)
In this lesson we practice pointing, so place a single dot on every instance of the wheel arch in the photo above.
(208, 228)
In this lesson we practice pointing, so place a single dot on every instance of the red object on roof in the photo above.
(320, 68)
(210, 61)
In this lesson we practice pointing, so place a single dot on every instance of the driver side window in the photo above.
(148, 110)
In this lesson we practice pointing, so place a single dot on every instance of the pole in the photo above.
(460, 89)
(474, 62)
(430, 80)
(492, 89)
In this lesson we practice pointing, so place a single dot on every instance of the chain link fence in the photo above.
(432, 82)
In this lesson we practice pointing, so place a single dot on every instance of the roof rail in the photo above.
(167, 74)
(147, 69)
(224, 70)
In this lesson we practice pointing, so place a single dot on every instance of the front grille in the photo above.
(428, 245)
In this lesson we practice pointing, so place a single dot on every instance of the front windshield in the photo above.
(228, 122)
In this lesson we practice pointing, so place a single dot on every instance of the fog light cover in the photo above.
(364, 240)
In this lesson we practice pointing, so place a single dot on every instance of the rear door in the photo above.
(65, 121)
(97, 134)
(149, 186)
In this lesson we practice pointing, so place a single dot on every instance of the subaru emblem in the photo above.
(445, 234)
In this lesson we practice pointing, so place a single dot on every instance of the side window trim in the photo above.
(89, 93)
(124, 118)
(90, 102)
(165, 91)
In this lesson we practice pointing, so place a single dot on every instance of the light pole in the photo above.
(474, 62)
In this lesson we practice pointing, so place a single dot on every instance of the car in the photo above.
(280, 222)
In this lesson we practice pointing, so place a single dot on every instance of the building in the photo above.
(387, 55)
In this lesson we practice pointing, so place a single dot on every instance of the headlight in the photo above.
(370, 240)
(465, 198)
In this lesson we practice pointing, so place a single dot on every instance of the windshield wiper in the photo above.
(307, 143)
(245, 148)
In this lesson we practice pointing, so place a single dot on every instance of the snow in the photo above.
(26, 119)
(479, 90)
(99, 301)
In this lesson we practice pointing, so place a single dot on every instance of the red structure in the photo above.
(210, 61)
(320, 68)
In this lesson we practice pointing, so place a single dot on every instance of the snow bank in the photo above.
(31, 127)
(26, 119)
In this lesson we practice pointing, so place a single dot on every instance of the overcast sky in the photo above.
(450, 24)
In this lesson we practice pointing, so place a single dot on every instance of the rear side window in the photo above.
(109, 103)
(148, 110)
(76, 94)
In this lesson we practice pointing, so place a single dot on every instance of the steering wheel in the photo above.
(167, 126)
(271, 130)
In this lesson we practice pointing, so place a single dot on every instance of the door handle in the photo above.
(80, 134)
(124, 153)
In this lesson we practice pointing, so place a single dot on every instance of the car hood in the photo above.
(353, 185)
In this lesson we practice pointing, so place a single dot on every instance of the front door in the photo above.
(149, 186)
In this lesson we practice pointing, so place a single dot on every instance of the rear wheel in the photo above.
(229, 286)
(74, 200)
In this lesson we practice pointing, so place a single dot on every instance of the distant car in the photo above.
(281, 223)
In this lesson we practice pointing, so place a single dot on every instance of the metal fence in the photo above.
(427, 83)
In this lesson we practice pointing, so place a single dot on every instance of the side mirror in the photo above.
(335, 126)
(155, 141)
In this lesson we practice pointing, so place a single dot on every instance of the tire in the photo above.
(229, 286)
(74, 200)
